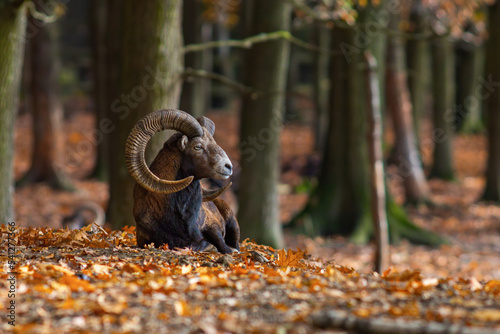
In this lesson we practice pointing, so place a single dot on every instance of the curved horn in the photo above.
(138, 139)
(207, 123)
(210, 195)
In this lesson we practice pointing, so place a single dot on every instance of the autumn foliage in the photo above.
(97, 280)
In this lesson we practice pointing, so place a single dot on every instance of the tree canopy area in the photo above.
(363, 148)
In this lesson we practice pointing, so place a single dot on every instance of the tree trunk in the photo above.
(261, 122)
(443, 68)
(195, 97)
(145, 65)
(417, 55)
(221, 94)
(321, 83)
(377, 177)
(48, 144)
(470, 66)
(98, 18)
(341, 203)
(292, 79)
(398, 102)
(12, 39)
(491, 90)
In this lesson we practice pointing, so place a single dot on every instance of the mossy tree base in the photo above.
(54, 180)
(400, 225)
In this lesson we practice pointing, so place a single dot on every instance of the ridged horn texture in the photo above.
(139, 137)
(210, 195)
(207, 123)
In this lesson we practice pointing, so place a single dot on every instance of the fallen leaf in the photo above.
(290, 258)
(487, 314)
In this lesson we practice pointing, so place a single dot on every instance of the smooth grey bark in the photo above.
(399, 105)
(321, 85)
(470, 67)
(261, 122)
(443, 68)
(195, 98)
(377, 177)
(291, 110)
(340, 204)
(492, 190)
(144, 66)
(418, 61)
(98, 24)
(12, 40)
(48, 157)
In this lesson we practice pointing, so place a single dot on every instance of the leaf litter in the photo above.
(97, 280)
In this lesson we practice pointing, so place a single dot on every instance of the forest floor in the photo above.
(458, 283)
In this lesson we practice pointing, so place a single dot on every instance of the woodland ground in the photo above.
(97, 280)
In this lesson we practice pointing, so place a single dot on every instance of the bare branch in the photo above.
(250, 41)
(189, 72)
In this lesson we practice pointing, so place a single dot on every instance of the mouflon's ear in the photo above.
(183, 143)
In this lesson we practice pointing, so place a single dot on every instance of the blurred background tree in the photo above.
(45, 101)
(491, 82)
(261, 121)
(144, 66)
(12, 38)
(98, 22)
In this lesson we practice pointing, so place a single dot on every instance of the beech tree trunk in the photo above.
(417, 55)
(261, 123)
(48, 145)
(292, 79)
(98, 23)
(492, 95)
(195, 98)
(321, 85)
(341, 202)
(400, 108)
(377, 176)
(443, 68)
(470, 67)
(12, 39)
(144, 66)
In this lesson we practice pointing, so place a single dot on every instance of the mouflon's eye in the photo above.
(197, 148)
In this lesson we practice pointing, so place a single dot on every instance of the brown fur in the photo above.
(182, 219)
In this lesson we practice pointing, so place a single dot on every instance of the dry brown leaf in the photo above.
(76, 284)
(182, 308)
(487, 315)
(290, 258)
